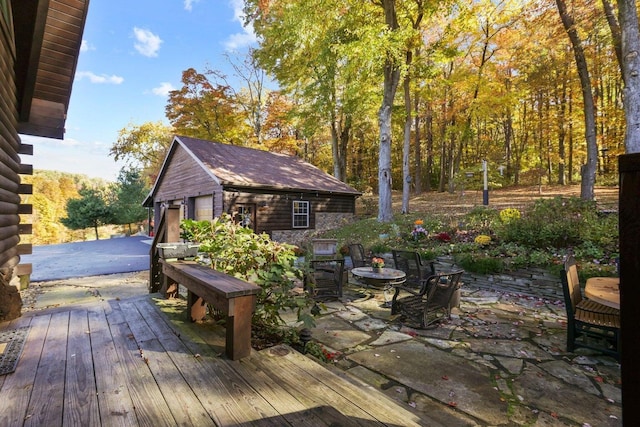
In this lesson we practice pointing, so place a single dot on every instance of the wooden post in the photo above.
(629, 230)
(172, 218)
(238, 342)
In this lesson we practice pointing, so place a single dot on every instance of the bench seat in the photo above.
(233, 297)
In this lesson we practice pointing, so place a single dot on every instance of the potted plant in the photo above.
(377, 264)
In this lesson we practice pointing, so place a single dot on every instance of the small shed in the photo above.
(271, 193)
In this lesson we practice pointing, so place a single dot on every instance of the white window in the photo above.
(300, 214)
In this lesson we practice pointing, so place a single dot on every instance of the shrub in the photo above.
(380, 248)
(239, 252)
(482, 240)
(479, 263)
(481, 219)
(508, 215)
(558, 223)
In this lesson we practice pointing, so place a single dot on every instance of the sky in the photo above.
(133, 53)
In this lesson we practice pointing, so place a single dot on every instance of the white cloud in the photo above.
(240, 40)
(148, 43)
(163, 89)
(85, 46)
(188, 4)
(247, 36)
(94, 78)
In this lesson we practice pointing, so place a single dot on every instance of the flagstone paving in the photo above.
(500, 360)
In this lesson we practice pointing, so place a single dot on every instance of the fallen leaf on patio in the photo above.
(412, 404)
(444, 377)
(453, 404)
(197, 355)
(611, 400)
(613, 417)
(376, 355)
(599, 379)
(554, 414)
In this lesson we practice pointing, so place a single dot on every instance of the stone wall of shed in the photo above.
(324, 221)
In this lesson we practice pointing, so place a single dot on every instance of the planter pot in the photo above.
(377, 269)
(177, 250)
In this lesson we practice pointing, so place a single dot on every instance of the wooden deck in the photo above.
(136, 363)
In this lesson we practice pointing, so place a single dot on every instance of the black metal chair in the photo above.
(414, 267)
(589, 324)
(358, 258)
(432, 303)
(324, 279)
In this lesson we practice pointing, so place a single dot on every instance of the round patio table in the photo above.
(605, 290)
(387, 278)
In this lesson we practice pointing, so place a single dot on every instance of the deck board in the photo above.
(116, 407)
(47, 397)
(182, 402)
(80, 393)
(17, 387)
(84, 366)
(228, 395)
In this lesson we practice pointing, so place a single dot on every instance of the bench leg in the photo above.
(196, 307)
(238, 342)
(169, 287)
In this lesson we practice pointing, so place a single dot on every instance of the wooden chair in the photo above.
(411, 263)
(324, 280)
(597, 325)
(356, 252)
(432, 303)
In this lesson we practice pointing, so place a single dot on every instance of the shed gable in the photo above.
(184, 176)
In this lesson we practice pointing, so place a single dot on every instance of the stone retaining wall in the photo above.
(536, 282)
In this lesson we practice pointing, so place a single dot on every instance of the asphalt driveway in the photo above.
(93, 258)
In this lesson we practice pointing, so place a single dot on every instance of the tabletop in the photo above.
(389, 275)
(604, 290)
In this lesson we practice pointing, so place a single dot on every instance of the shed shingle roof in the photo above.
(239, 166)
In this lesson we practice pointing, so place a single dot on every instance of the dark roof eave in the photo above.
(226, 185)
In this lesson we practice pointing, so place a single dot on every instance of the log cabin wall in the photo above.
(10, 167)
(274, 210)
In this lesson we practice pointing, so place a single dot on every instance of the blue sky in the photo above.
(133, 53)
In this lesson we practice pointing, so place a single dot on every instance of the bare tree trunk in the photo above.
(406, 146)
(391, 81)
(428, 127)
(417, 149)
(589, 169)
(628, 18)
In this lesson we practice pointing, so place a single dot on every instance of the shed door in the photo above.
(203, 208)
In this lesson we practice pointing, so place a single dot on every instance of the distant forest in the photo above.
(51, 191)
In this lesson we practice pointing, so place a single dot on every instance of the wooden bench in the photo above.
(234, 297)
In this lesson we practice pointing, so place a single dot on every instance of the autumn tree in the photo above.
(315, 54)
(251, 96)
(280, 132)
(589, 169)
(143, 147)
(201, 109)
